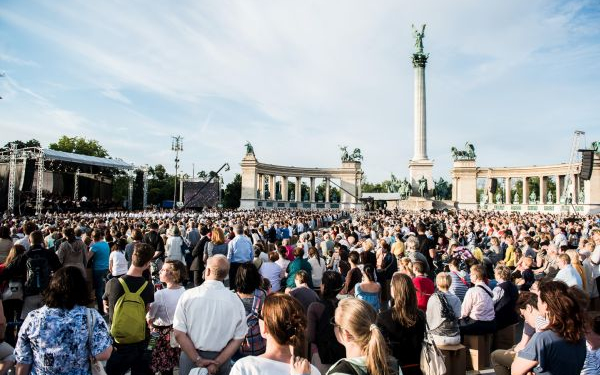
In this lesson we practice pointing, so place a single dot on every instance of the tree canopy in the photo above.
(21, 144)
(79, 145)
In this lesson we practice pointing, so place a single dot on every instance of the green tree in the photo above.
(21, 144)
(233, 192)
(79, 145)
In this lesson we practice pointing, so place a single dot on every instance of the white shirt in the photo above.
(173, 248)
(274, 273)
(317, 270)
(119, 263)
(263, 366)
(162, 310)
(211, 315)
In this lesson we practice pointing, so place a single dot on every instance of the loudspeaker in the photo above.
(587, 164)
(493, 185)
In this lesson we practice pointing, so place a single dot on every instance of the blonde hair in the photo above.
(358, 319)
(368, 245)
(443, 281)
(576, 263)
(217, 236)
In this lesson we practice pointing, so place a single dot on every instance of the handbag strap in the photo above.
(91, 321)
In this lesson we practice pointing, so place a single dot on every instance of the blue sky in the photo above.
(299, 78)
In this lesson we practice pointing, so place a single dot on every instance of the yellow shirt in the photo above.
(509, 258)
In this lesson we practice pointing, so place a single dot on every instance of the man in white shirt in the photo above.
(477, 310)
(568, 274)
(210, 322)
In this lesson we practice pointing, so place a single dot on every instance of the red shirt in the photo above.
(425, 288)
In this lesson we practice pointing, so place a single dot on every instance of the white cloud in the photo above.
(299, 78)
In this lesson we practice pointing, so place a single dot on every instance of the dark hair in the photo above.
(527, 299)
(69, 233)
(5, 232)
(353, 257)
(369, 270)
(247, 278)
(67, 288)
(419, 267)
(302, 276)
(298, 252)
(332, 283)
(142, 254)
(137, 235)
(29, 227)
(36, 237)
(564, 312)
(285, 320)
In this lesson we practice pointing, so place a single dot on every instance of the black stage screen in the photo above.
(208, 197)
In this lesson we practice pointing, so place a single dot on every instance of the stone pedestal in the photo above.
(249, 183)
(415, 204)
(418, 169)
(591, 189)
(464, 175)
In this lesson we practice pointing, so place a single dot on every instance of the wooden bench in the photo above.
(479, 351)
(455, 359)
(504, 338)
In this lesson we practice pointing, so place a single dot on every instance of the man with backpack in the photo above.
(127, 299)
(36, 264)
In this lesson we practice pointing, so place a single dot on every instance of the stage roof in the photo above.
(84, 159)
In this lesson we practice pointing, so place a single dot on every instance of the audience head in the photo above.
(563, 310)
(247, 278)
(217, 268)
(355, 324)
(284, 321)
(66, 289)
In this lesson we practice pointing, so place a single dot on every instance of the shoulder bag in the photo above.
(432, 359)
(95, 366)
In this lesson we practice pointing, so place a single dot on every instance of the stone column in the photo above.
(525, 191)
(272, 187)
(312, 189)
(261, 186)
(327, 190)
(543, 189)
(558, 190)
(420, 120)
(298, 190)
(284, 188)
(507, 191)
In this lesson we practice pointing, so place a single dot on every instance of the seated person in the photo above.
(477, 310)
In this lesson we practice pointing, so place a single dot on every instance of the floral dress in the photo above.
(55, 341)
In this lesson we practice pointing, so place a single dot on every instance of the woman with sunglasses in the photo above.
(283, 324)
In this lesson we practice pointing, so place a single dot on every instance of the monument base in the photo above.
(415, 204)
(418, 169)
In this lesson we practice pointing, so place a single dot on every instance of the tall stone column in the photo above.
(261, 186)
(420, 166)
(284, 189)
(272, 187)
(525, 191)
(558, 191)
(507, 191)
(312, 189)
(327, 190)
(298, 190)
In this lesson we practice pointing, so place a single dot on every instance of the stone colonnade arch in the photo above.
(584, 195)
(259, 185)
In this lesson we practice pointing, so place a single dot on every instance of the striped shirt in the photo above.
(459, 285)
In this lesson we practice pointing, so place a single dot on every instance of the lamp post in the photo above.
(176, 145)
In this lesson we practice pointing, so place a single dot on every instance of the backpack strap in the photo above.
(126, 289)
(486, 291)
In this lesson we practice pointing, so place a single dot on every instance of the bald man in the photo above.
(210, 322)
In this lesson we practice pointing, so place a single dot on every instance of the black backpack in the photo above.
(37, 273)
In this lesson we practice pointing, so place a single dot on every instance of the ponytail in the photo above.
(377, 353)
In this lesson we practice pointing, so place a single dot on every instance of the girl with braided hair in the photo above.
(283, 325)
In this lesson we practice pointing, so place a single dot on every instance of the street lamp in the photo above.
(176, 145)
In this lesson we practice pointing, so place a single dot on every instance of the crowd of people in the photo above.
(300, 292)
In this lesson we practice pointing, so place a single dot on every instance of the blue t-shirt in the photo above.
(101, 252)
(554, 355)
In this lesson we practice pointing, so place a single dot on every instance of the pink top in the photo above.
(478, 304)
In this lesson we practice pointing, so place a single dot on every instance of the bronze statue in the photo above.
(249, 148)
(419, 38)
(422, 186)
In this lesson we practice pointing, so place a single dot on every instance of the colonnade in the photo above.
(270, 192)
(542, 195)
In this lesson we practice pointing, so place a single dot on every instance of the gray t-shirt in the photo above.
(554, 355)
